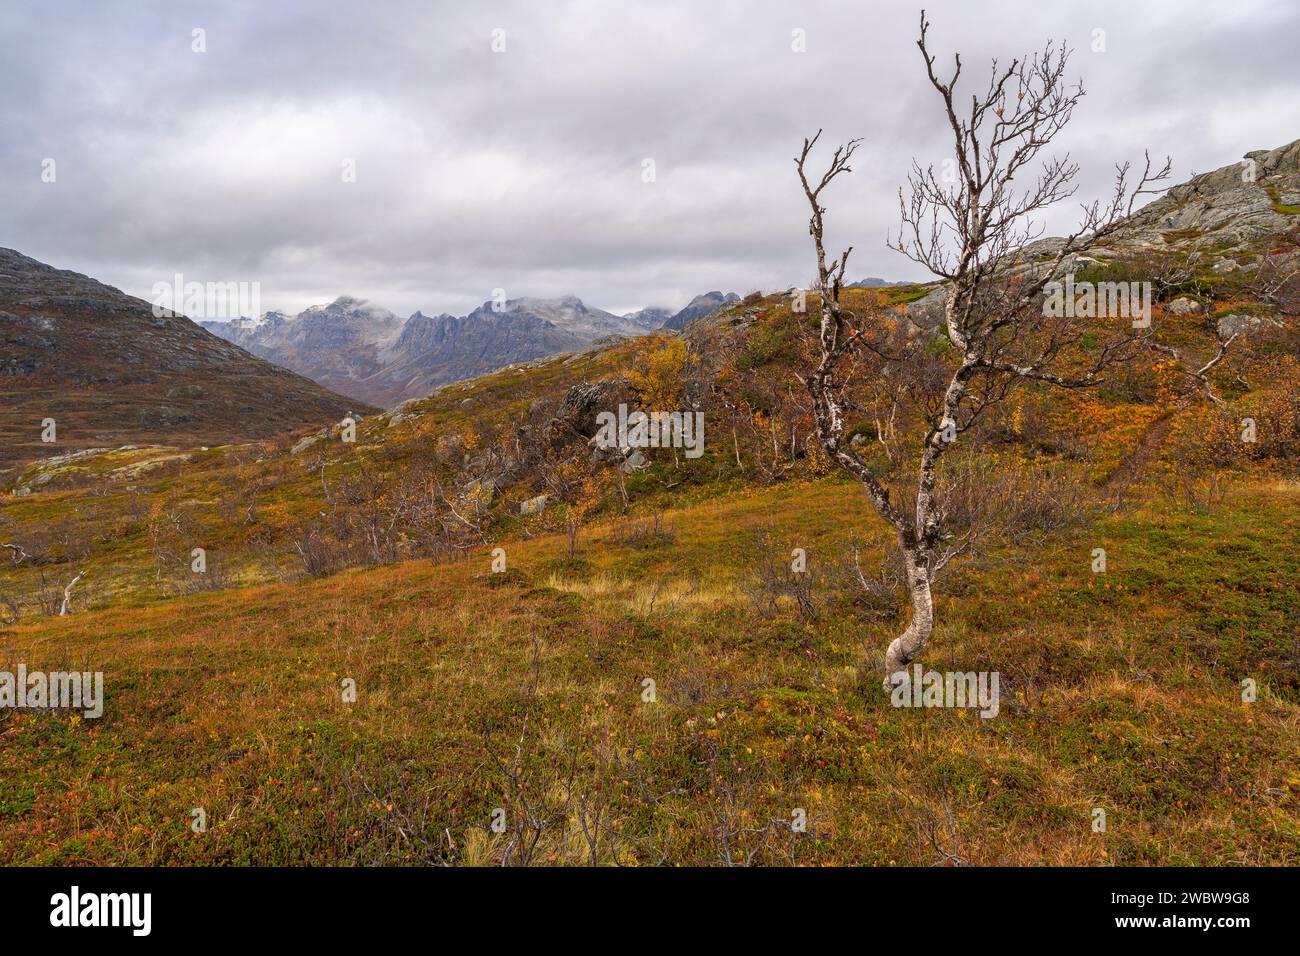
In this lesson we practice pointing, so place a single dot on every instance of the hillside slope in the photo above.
(110, 372)
(510, 452)
(699, 307)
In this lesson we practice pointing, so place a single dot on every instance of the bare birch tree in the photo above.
(968, 233)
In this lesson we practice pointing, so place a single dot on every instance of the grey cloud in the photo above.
(522, 170)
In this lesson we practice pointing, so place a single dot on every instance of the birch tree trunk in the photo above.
(908, 646)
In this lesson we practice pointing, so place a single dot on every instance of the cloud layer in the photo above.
(523, 169)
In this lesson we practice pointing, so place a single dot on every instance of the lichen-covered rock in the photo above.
(927, 313)
(304, 443)
(577, 413)
(634, 462)
(1234, 322)
(1233, 204)
(484, 491)
(534, 505)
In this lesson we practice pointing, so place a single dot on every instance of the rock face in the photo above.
(111, 372)
(634, 462)
(699, 307)
(927, 312)
(581, 404)
(336, 345)
(1183, 306)
(1233, 323)
(1229, 215)
(367, 352)
(534, 505)
(1235, 204)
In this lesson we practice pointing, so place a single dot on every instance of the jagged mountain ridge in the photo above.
(334, 345)
(652, 317)
(359, 349)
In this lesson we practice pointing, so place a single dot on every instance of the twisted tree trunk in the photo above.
(908, 646)
(67, 593)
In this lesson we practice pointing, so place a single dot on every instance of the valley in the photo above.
(360, 632)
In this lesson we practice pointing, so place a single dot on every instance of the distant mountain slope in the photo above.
(446, 348)
(110, 372)
(336, 345)
(873, 282)
(358, 349)
(651, 318)
(698, 307)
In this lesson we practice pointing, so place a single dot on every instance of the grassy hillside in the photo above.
(523, 691)
(449, 473)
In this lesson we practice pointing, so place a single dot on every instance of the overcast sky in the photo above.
(523, 169)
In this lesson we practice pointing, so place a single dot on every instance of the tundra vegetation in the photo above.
(650, 679)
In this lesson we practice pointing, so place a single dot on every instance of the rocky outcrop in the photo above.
(576, 415)
(1234, 323)
(1233, 205)
(1229, 215)
(534, 505)
(926, 313)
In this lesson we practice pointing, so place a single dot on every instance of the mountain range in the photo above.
(356, 348)
(109, 369)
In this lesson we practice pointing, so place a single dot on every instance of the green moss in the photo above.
(901, 295)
